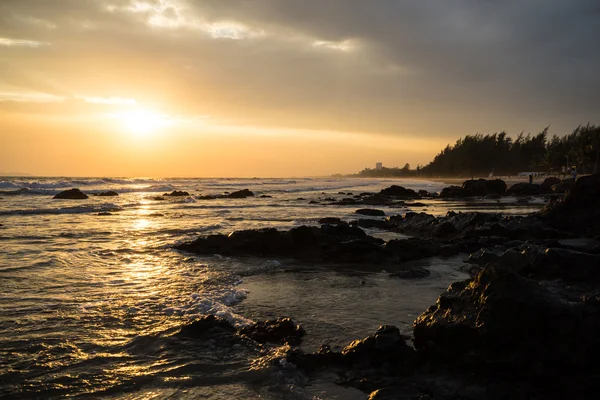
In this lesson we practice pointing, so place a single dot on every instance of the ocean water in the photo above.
(90, 304)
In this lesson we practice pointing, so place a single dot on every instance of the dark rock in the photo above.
(279, 331)
(207, 326)
(266, 196)
(546, 186)
(399, 191)
(424, 193)
(241, 194)
(372, 223)
(313, 202)
(108, 193)
(331, 221)
(453, 192)
(502, 324)
(493, 196)
(207, 197)
(177, 193)
(415, 204)
(482, 187)
(104, 213)
(386, 345)
(579, 211)
(72, 194)
(523, 189)
(370, 212)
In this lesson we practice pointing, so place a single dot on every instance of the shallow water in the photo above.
(90, 303)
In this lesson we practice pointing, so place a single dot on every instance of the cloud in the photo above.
(390, 66)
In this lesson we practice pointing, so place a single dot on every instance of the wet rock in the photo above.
(104, 213)
(278, 331)
(503, 324)
(109, 193)
(386, 345)
(177, 193)
(208, 197)
(482, 187)
(370, 212)
(413, 273)
(399, 192)
(415, 204)
(241, 194)
(266, 196)
(313, 202)
(523, 189)
(207, 326)
(71, 194)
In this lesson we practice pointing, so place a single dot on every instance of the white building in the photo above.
(378, 166)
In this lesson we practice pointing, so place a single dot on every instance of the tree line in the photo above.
(500, 154)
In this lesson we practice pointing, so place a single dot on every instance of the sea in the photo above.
(93, 294)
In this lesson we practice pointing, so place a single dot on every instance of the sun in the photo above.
(142, 122)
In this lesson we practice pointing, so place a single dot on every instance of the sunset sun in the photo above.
(142, 122)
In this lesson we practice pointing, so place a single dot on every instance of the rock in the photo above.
(207, 326)
(278, 331)
(501, 324)
(493, 196)
(412, 273)
(372, 223)
(415, 204)
(370, 212)
(331, 221)
(399, 191)
(523, 189)
(104, 213)
(482, 187)
(208, 197)
(579, 211)
(266, 196)
(313, 202)
(72, 194)
(546, 186)
(108, 193)
(424, 193)
(453, 192)
(177, 193)
(241, 194)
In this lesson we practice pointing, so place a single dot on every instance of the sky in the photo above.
(270, 88)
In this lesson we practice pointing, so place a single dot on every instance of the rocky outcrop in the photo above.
(109, 193)
(579, 211)
(370, 212)
(331, 221)
(546, 186)
(241, 194)
(504, 324)
(72, 194)
(452, 192)
(523, 189)
(399, 192)
(278, 331)
(483, 187)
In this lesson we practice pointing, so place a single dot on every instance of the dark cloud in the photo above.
(446, 67)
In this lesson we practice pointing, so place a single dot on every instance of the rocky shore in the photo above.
(525, 326)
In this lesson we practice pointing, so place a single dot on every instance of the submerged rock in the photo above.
(207, 326)
(71, 194)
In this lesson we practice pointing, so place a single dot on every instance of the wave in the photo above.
(106, 207)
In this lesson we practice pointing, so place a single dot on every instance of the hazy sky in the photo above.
(282, 87)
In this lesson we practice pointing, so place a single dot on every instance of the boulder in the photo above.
(399, 191)
(546, 186)
(523, 189)
(207, 326)
(71, 194)
(453, 192)
(331, 221)
(370, 212)
(386, 345)
(502, 324)
(482, 187)
(241, 194)
(278, 331)
(109, 193)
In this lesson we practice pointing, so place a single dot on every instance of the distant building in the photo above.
(378, 166)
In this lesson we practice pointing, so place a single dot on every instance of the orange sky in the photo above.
(190, 88)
